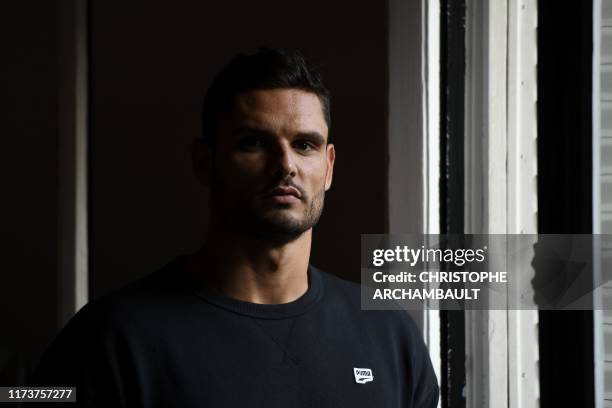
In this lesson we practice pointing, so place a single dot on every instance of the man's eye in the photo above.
(303, 145)
(251, 143)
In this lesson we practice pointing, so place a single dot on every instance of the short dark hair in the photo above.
(266, 69)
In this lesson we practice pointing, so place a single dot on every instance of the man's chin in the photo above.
(279, 229)
(278, 235)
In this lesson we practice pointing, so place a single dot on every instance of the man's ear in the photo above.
(202, 161)
(331, 159)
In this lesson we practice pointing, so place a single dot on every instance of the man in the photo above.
(246, 321)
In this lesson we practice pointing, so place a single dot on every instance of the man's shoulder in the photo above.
(132, 303)
(339, 286)
(346, 296)
(125, 315)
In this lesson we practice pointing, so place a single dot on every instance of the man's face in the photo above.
(272, 164)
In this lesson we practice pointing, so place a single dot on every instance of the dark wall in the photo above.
(29, 179)
(150, 65)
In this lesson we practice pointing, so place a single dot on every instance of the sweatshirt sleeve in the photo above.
(426, 391)
(88, 356)
(424, 385)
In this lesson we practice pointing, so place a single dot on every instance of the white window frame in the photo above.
(599, 349)
(501, 169)
(413, 135)
(501, 189)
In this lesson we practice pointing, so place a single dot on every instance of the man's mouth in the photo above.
(284, 195)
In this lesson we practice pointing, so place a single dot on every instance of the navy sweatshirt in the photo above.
(165, 341)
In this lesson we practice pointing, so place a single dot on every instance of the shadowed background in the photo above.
(149, 66)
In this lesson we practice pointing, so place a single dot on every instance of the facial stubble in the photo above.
(274, 224)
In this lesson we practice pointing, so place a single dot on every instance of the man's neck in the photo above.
(253, 271)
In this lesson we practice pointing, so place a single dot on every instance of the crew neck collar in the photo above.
(262, 311)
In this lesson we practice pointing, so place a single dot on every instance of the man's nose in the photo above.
(283, 162)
